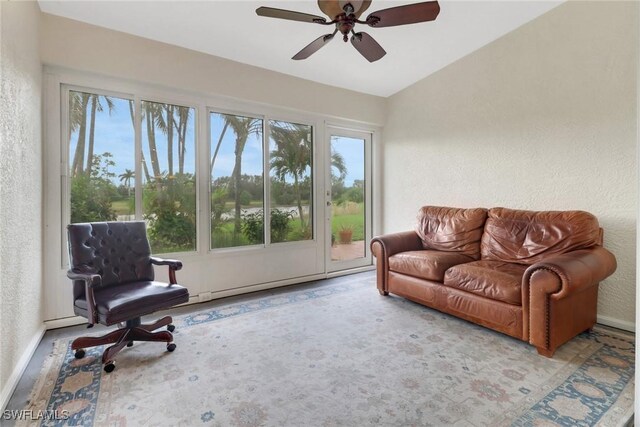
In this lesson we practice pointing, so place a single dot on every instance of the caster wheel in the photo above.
(79, 354)
(171, 328)
(130, 344)
(109, 367)
(171, 346)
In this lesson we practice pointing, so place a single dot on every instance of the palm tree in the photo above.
(78, 102)
(183, 114)
(154, 118)
(145, 168)
(126, 178)
(292, 156)
(170, 109)
(337, 163)
(242, 128)
(96, 105)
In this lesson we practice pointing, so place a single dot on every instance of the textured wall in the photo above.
(20, 182)
(79, 46)
(543, 118)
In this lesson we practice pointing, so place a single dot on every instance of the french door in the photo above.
(348, 199)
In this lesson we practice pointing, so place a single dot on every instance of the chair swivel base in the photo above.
(125, 336)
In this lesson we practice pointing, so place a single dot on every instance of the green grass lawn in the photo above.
(123, 207)
(356, 221)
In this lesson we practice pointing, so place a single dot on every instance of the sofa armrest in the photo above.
(577, 270)
(91, 278)
(174, 265)
(387, 245)
(391, 244)
(551, 283)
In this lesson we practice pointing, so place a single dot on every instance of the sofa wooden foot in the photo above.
(383, 293)
(544, 352)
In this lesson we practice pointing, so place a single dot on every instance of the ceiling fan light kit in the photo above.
(345, 14)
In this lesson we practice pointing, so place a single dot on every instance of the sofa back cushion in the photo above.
(451, 229)
(526, 237)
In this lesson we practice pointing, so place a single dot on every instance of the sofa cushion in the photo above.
(426, 264)
(496, 280)
(451, 229)
(526, 237)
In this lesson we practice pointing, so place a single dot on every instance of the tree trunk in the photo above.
(299, 198)
(92, 133)
(182, 138)
(215, 153)
(145, 168)
(153, 152)
(78, 159)
(237, 174)
(170, 138)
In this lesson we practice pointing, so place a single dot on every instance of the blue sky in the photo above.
(114, 133)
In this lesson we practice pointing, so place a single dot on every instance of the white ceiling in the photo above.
(232, 30)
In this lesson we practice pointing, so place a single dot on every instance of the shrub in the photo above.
(253, 227)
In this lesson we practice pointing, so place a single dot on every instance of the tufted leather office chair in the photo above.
(113, 282)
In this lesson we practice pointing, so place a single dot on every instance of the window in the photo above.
(237, 183)
(102, 166)
(101, 157)
(169, 181)
(136, 159)
(290, 154)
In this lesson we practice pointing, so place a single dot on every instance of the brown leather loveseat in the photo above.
(531, 275)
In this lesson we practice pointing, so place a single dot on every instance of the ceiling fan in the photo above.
(345, 14)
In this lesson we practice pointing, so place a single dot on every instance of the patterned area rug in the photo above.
(341, 355)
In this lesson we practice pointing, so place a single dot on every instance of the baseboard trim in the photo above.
(616, 323)
(195, 299)
(265, 286)
(339, 273)
(18, 370)
(64, 322)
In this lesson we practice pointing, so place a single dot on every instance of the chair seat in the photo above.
(496, 280)
(426, 264)
(126, 301)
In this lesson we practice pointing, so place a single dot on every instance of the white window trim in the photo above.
(55, 262)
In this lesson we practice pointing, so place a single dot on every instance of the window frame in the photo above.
(266, 117)
(203, 106)
(137, 98)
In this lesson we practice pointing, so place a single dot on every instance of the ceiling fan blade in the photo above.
(367, 46)
(313, 47)
(402, 15)
(271, 12)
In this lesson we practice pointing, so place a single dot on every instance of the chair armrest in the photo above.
(174, 265)
(91, 279)
(387, 245)
(576, 270)
(391, 244)
(85, 273)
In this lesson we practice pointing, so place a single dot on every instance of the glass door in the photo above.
(348, 199)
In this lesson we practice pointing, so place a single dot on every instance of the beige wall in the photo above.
(543, 118)
(20, 185)
(85, 47)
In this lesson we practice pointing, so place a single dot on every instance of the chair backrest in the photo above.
(118, 251)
